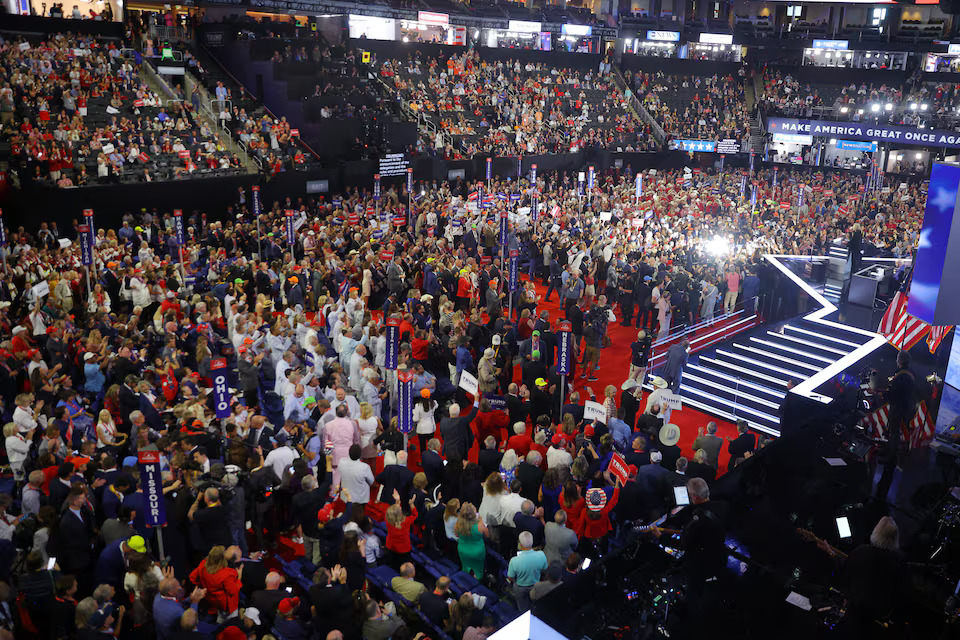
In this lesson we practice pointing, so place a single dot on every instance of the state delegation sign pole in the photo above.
(151, 482)
(564, 357)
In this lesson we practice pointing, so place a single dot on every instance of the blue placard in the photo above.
(291, 232)
(514, 279)
(178, 227)
(497, 403)
(856, 145)
(565, 349)
(707, 146)
(151, 482)
(503, 227)
(86, 249)
(393, 343)
(835, 45)
(221, 388)
(405, 401)
(489, 168)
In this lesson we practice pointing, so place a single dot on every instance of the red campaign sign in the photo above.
(828, 192)
(784, 205)
(354, 218)
(618, 468)
(148, 457)
(429, 232)
(485, 259)
(399, 221)
(393, 322)
(853, 198)
(183, 154)
(218, 363)
(842, 211)
(565, 326)
(386, 256)
(818, 188)
(295, 132)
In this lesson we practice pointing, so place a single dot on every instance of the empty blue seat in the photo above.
(382, 575)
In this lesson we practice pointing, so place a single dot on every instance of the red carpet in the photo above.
(614, 367)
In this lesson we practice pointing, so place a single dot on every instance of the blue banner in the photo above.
(503, 227)
(590, 178)
(497, 403)
(865, 131)
(638, 186)
(151, 482)
(221, 388)
(376, 186)
(405, 401)
(291, 231)
(86, 249)
(257, 206)
(707, 146)
(753, 197)
(565, 349)
(393, 343)
(774, 176)
(533, 174)
(178, 228)
(751, 161)
(743, 186)
(534, 208)
(489, 168)
(514, 278)
(410, 181)
(3, 234)
(722, 158)
(800, 196)
(856, 145)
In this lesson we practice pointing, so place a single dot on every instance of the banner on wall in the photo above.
(864, 131)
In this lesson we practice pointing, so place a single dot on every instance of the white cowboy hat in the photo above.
(669, 435)
(658, 382)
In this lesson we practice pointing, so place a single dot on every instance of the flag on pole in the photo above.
(936, 336)
(901, 330)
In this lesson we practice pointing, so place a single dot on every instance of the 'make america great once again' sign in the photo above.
(865, 131)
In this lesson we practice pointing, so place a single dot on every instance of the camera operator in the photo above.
(210, 519)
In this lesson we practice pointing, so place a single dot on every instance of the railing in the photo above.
(169, 33)
(700, 334)
(423, 122)
(658, 131)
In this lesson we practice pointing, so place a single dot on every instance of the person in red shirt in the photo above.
(490, 422)
(520, 441)
(420, 346)
(596, 517)
(398, 532)
(221, 582)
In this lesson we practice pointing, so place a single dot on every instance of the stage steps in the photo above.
(745, 376)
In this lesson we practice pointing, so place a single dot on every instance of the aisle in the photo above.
(614, 366)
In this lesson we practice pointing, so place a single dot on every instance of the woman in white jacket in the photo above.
(17, 444)
(423, 417)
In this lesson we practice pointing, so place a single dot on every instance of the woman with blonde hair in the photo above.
(508, 466)
(494, 488)
(368, 425)
(108, 437)
(469, 531)
(17, 445)
(221, 582)
(451, 512)
(610, 402)
(398, 532)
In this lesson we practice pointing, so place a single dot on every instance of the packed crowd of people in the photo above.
(512, 108)
(785, 95)
(695, 107)
(77, 112)
(279, 514)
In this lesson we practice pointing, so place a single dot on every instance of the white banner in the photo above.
(672, 401)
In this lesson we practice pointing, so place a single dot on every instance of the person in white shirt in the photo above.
(355, 477)
(280, 458)
(357, 360)
(24, 415)
(353, 406)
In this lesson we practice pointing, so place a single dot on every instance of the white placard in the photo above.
(108, 148)
(41, 289)
(672, 401)
(468, 383)
(555, 228)
(112, 110)
(594, 411)
(24, 46)
(836, 462)
(605, 216)
(798, 600)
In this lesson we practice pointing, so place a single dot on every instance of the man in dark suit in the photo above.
(516, 406)
(332, 606)
(574, 408)
(129, 400)
(649, 423)
(530, 475)
(260, 435)
(434, 604)
(530, 519)
(76, 536)
(455, 429)
(739, 446)
(654, 485)
(489, 457)
(432, 463)
(396, 477)
(638, 456)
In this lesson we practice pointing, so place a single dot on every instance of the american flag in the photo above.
(901, 329)
(936, 336)
(918, 433)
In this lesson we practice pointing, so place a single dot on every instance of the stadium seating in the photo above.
(695, 107)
